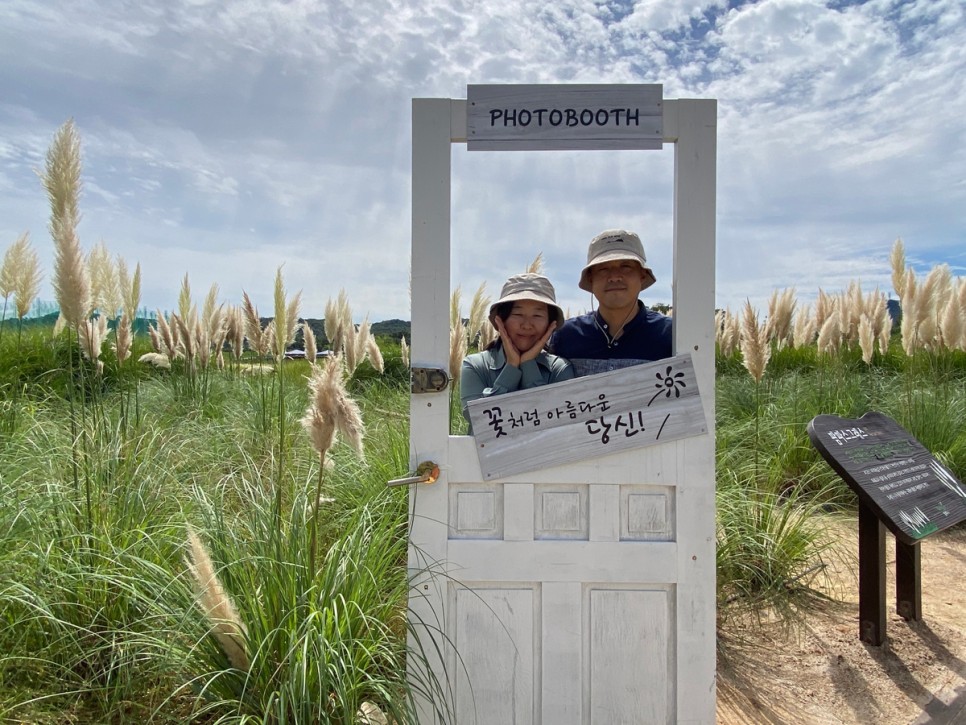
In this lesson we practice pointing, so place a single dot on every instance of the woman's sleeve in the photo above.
(561, 370)
(473, 385)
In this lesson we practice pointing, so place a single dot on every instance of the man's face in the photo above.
(617, 284)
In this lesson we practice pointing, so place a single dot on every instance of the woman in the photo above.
(524, 317)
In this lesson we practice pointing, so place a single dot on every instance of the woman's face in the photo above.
(527, 323)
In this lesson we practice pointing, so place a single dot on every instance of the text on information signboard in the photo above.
(911, 492)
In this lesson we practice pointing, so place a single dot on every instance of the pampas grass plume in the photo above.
(478, 309)
(331, 410)
(158, 359)
(130, 287)
(184, 298)
(536, 266)
(91, 335)
(123, 338)
(375, 354)
(404, 351)
(226, 625)
(61, 179)
(308, 343)
(866, 339)
(105, 289)
(755, 350)
(830, 335)
(20, 275)
(781, 308)
(897, 261)
(362, 341)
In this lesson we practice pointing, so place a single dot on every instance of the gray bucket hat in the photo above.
(530, 286)
(612, 245)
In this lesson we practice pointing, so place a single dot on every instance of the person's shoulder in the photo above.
(577, 323)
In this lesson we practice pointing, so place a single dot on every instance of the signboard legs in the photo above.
(872, 577)
(908, 581)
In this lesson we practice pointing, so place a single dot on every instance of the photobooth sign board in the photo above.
(911, 492)
(638, 406)
(562, 117)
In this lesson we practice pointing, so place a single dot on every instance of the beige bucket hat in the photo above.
(612, 245)
(530, 286)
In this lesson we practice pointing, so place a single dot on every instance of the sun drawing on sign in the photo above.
(668, 384)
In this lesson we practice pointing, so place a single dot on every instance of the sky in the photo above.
(226, 139)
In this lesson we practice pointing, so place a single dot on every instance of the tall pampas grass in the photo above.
(536, 266)
(404, 351)
(259, 339)
(479, 306)
(308, 343)
(286, 316)
(130, 288)
(755, 350)
(951, 326)
(361, 342)
(226, 624)
(338, 316)
(124, 336)
(331, 411)
(91, 336)
(823, 308)
(897, 260)
(866, 338)
(105, 287)
(803, 333)
(61, 179)
(349, 348)
(375, 355)
(830, 334)
(19, 276)
(781, 309)
(457, 349)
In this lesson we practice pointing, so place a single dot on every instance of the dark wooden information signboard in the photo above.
(901, 486)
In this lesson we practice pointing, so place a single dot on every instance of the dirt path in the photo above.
(823, 674)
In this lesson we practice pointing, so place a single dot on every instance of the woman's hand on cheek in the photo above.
(512, 354)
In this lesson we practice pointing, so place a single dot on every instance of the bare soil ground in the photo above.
(822, 673)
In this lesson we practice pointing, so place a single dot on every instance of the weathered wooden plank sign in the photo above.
(911, 492)
(638, 406)
(561, 117)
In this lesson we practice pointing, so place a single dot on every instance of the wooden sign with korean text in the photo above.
(909, 491)
(638, 406)
(546, 117)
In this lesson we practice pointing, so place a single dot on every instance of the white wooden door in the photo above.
(582, 593)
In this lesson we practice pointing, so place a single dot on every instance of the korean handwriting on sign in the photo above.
(495, 414)
(571, 409)
(846, 434)
(630, 423)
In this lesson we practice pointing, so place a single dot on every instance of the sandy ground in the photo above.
(822, 673)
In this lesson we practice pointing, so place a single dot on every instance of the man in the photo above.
(622, 331)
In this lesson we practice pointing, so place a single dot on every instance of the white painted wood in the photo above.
(582, 591)
(494, 636)
(562, 117)
(628, 658)
(590, 416)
